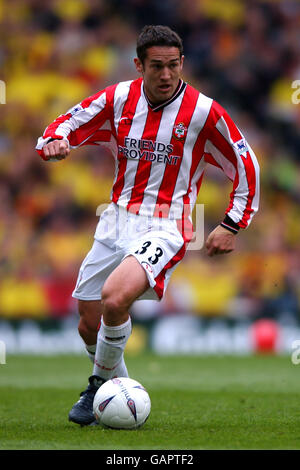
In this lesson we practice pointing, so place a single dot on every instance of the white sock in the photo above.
(91, 350)
(109, 359)
(120, 370)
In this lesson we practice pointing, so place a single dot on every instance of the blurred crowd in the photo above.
(54, 53)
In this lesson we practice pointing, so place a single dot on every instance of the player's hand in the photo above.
(56, 150)
(220, 241)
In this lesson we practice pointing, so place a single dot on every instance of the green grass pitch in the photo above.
(206, 402)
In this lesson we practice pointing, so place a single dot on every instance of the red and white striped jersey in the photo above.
(161, 151)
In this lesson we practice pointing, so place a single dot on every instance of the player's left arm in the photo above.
(228, 149)
(220, 241)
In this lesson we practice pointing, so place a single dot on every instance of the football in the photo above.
(121, 403)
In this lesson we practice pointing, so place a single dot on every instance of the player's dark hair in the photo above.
(157, 35)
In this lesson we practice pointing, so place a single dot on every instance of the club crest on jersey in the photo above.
(179, 131)
(241, 147)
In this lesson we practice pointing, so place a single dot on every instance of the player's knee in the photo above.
(84, 328)
(89, 319)
(114, 304)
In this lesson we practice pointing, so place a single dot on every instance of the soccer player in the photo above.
(164, 132)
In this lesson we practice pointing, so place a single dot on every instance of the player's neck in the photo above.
(158, 105)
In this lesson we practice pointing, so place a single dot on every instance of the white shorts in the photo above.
(156, 243)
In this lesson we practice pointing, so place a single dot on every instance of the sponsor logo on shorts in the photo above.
(147, 267)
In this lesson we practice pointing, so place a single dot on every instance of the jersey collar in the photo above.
(156, 107)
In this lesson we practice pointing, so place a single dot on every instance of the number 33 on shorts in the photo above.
(159, 257)
(147, 248)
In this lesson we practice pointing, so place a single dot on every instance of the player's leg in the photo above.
(124, 285)
(90, 313)
(139, 270)
(94, 270)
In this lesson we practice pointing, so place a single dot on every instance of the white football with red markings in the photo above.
(122, 403)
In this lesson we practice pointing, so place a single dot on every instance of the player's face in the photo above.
(161, 72)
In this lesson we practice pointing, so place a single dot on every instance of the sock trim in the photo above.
(91, 348)
(115, 333)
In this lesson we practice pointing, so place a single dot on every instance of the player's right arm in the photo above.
(81, 125)
(56, 150)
